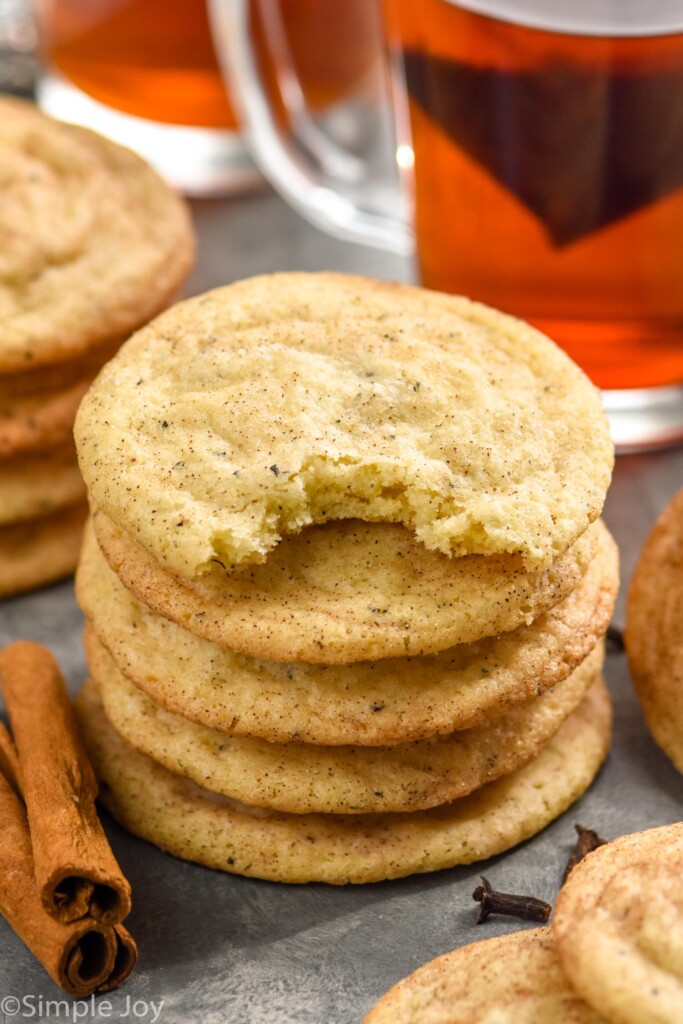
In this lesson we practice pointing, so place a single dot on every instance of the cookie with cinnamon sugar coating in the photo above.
(40, 551)
(393, 700)
(509, 979)
(349, 591)
(654, 630)
(37, 422)
(246, 414)
(38, 485)
(618, 927)
(305, 778)
(94, 242)
(220, 833)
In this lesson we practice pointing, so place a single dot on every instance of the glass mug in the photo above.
(540, 143)
(146, 73)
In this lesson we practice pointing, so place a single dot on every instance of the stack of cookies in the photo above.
(345, 581)
(94, 244)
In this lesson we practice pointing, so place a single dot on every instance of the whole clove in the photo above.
(527, 908)
(587, 842)
(614, 640)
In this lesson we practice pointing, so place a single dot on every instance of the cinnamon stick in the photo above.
(124, 961)
(9, 762)
(76, 873)
(84, 956)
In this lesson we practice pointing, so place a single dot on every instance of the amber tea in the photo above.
(156, 59)
(549, 180)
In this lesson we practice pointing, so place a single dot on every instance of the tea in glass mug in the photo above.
(541, 142)
(154, 60)
(146, 72)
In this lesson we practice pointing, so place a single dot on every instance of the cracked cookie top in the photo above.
(258, 409)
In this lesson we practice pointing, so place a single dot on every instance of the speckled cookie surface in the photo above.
(387, 701)
(220, 833)
(249, 412)
(349, 591)
(41, 550)
(654, 630)
(302, 778)
(619, 927)
(35, 486)
(94, 243)
(509, 979)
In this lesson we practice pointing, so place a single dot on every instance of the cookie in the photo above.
(41, 550)
(33, 423)
(349, 591)
(197, 825)
(653, 630)
(618, 926)
(43, 380)
(35, 486)
(371, 703)
(245, 414)
(509, 979)
(94, 243)
(303, 778)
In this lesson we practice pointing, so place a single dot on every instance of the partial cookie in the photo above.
(43, 380)
(349, 591)
(371, 703)
(94, 243)
(40, 551)
(301, 778)
(654, 630)
(197, 825)
(510, 979)
(38, 485)
(250, 412)
(32, 423)
(619, 927)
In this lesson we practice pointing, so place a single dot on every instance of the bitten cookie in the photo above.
(250, 412)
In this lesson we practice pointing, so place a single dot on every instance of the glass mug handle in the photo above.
(316, 186)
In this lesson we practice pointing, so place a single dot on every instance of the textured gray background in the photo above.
(216, 947)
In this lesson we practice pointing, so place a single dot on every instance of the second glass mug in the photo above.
(540, 143)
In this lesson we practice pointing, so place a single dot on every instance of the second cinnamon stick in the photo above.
(76, 872)
(9, 762)
(83, 957)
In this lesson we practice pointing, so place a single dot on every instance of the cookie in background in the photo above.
(654, 627)
(94, 244)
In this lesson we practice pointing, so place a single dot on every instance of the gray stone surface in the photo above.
(218, 948)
